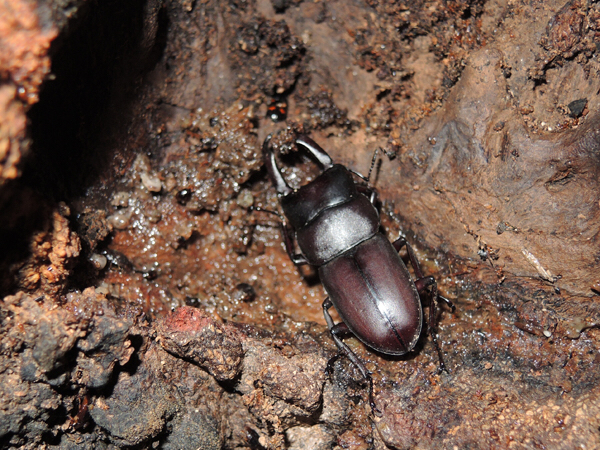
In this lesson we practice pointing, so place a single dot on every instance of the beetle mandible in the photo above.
(336, 226)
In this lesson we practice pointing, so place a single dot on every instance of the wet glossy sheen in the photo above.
(372, 291)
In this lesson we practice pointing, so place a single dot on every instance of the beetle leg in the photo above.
(371, 194)
(316, 150)
(337, 331)
(422, 283)
(447, 302)
(401, 242)
(297, 258)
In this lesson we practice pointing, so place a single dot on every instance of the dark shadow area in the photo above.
(83, 109)
(88, 101)
(22, 214)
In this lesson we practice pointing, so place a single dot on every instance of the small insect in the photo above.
(335, 224)
(277, 110)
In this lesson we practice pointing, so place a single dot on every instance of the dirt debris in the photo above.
(52, 257)
(146, 305)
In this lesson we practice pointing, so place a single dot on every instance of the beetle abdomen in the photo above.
(372, 291)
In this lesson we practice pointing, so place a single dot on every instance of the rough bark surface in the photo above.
(145, 305)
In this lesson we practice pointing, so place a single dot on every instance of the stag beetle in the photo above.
(336, 226)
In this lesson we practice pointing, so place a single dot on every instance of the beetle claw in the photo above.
(269, 159)
(316, 150)
(376, 411)
(330, 363)
(448, 302)
(374, 408)
(441, 367)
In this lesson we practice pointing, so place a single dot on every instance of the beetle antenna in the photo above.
(372, 164)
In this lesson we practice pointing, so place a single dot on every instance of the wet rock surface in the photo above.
(145, 304)
(209, 344)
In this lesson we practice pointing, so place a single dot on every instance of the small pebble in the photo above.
(245, 199)
(98, 261)
(119, 220)
(120, 200)
(151, 182)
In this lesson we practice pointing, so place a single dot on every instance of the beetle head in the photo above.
(270, 162)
